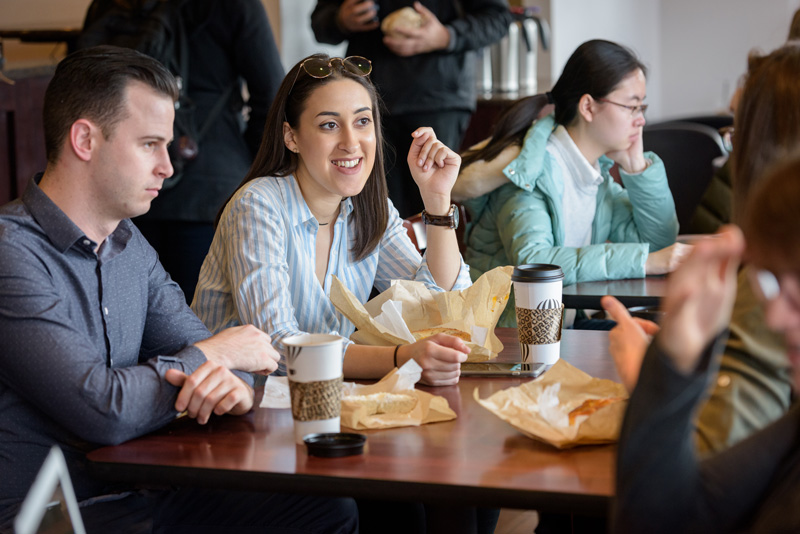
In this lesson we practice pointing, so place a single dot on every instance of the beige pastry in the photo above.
(428, 332)
(379, 403)
(405, 18)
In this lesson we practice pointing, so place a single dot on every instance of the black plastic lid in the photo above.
(537, 272)
(335, 445)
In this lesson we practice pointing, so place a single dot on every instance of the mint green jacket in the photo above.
(522, 220)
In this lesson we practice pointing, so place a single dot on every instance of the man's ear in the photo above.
(288, 137)
(82, 138)
(586, 107)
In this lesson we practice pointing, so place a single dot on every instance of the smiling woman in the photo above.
(313, 206)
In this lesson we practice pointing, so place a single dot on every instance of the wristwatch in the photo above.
(450, 220)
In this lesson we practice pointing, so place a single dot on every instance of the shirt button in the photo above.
(87, 242)
(511, 171)
(724, 381)
(105, 310)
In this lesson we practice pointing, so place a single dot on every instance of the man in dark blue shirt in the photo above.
(98, 344)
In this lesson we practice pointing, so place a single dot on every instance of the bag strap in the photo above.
(214, 113)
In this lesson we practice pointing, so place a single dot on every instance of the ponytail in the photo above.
(510, 128)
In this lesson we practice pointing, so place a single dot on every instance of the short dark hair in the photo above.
(595, 68)
(370, 209)
(91, 84)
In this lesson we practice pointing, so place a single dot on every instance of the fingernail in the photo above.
(425, 168)
(419, 162)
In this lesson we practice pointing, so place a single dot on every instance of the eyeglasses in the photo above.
(322, 68)
(633, 109)
(319, 68)
(726, 132)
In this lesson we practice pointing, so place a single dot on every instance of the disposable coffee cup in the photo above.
(537, 292)
(314, 368)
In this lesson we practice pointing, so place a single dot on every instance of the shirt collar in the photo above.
(588, 174)
(303, 214)
(60, 229)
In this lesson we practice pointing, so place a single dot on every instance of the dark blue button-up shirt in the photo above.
(85, 340)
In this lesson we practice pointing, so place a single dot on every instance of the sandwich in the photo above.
(590, 406)
(383, 403)
(404, 19)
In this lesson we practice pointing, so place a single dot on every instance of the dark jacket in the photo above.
(442, 80)
(662, 485)
(232, 43)
(715, 208)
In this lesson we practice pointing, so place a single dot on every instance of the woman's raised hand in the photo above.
(632, 159)
(700, 297)
(434, 168)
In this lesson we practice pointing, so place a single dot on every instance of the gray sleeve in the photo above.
(323, 22)
(483, 22)
(54, 365)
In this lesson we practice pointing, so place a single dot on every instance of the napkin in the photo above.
(474, 310)
(540, 408)
(428, 409)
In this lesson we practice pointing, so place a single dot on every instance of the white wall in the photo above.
(705, 45)
(297, 39)
(633, 23)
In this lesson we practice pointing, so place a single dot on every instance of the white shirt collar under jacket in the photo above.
(581, 181)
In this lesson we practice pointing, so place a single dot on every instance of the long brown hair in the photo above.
(595, 68)
(767, 119)
(370, 210)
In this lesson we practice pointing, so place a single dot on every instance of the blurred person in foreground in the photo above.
(753, 387)
(754, 486)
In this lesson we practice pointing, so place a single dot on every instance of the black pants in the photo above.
(449, 126)
(200, 511)
(182, 247)
(385, 517)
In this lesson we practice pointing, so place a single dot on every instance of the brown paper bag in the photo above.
(526, 407)
(428, 408)
(477, 306)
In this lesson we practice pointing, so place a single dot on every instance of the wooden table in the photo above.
(476, 459)
(633, 292)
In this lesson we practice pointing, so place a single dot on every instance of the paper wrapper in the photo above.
(474, 310)
(539, 408)
(429, 408)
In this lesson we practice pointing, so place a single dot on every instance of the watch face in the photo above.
(456, 215)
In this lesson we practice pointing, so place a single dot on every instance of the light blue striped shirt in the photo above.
(260, 269)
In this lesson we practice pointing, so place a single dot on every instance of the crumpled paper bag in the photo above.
(474, 310)
(539, 408)
(429, 408)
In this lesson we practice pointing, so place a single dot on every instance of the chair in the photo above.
(416, 231)
(712, 121)
(688, 150)
(50, 505)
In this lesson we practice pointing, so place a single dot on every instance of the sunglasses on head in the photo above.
(322, 68)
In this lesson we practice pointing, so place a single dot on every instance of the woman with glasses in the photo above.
(754, 384)
(314, 205)
(662, 484)
(540, 191)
